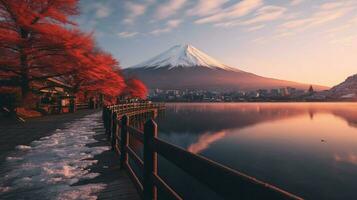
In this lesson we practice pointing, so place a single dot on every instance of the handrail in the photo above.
(231, 182)
(226, 182)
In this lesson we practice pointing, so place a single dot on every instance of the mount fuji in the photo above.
(186, 67)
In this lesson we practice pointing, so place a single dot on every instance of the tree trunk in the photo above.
(25, 84)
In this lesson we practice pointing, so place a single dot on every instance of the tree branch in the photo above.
(5, 69)
(50, 76)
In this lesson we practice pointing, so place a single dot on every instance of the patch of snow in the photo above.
(85, 193)
(183, 56)
(10, 158)
(4, 189)
(22, 147)
(52, 164)
(347, 96)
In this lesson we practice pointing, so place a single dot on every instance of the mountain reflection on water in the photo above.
(309, 149)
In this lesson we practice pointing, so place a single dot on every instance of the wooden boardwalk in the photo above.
(13, 133)
(119, 185)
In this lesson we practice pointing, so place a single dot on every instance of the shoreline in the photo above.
(223, 102)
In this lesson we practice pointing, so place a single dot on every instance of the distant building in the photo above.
(311, 90)
(274, 92)
(298, 93)
(262, 93)
(283, 92)
(291, 90)
(253, 94)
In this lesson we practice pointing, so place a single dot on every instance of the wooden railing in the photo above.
(81, 106)
(226, 182)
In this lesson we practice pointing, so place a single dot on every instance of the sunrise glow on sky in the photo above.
(299, 40)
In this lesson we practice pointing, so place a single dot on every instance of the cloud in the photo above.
(261, 40)
(344, 27)
(272, 38)
(103, 11)
(267, 13)
(326, 13)
(255, 28)
(170, 25)
(264, 14)
(283, 35)
(169, 8)
(174, 23)
(135, 10)
(98, 10)
(127, 34)
(239, 9)
(344, 34)
(296, 2)
(204, 7)
(334, 5)
(350, 40)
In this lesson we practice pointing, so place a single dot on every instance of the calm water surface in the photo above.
(309, 149)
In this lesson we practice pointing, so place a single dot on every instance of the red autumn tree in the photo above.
(33, 31)
(104, 74)
(135, 88)
(38, 42)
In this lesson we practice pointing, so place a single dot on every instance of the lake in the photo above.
(308, 149)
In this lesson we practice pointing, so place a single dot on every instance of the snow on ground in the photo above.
(46, 168)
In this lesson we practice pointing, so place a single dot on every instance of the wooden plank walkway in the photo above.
(13, 133)
(119, 185)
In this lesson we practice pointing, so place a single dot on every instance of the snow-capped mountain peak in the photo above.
(185, 67)
(183, 56)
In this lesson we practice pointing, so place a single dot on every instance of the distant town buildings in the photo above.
(192, 95)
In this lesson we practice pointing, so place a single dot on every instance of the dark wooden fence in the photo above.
(52, 109)
(82, 106)
(226, 182)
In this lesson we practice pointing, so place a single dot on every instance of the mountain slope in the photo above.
(185, 67)
(346, 89)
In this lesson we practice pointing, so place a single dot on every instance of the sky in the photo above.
(310, 41)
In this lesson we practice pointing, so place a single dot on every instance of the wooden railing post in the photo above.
(124, 141)
(110, 123)
(104, 118)
(72, 105)
(107, 121)
(150, 160)
(114, 132)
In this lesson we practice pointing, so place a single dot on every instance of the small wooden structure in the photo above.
(228, 183)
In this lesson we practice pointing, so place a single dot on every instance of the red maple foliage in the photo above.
(135, 88)
(31, 33)
(97, 72)
(38, 42)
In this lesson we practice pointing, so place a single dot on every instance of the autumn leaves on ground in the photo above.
(38, 41)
